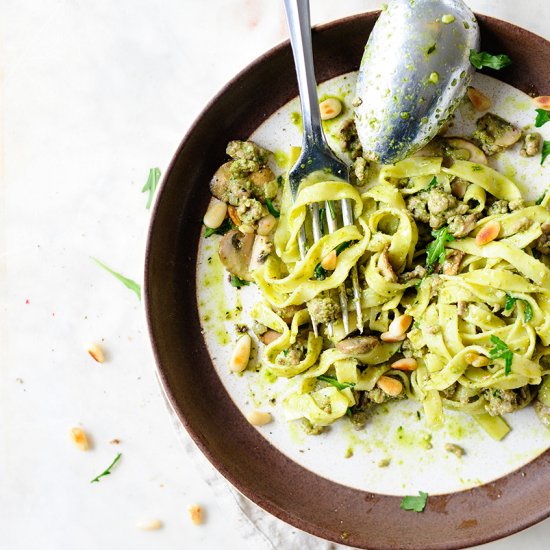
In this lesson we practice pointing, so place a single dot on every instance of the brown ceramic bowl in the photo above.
(264, 474)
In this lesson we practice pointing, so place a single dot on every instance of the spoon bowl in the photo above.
(414, 72)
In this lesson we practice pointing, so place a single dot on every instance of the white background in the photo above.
(92, 94)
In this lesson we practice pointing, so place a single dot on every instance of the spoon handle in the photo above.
(299, 24)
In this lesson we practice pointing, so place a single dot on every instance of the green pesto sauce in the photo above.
(282, 159)
(296, 119)
(215, 310)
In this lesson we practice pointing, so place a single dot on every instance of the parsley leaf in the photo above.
(341, 247)
(502, 351)
(545, 151)
(151, 185)
(331, 209)
(432, 184)
(320, 272)
(334, 382)
(484, 59)
(527, 308)
(415, 504)
(435, 251)
(543, 116)
(108, 470)
(226, 226)
(237, 282)
(272, 210)
(128, 283)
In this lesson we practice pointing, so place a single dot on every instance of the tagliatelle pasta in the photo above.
(476, 309)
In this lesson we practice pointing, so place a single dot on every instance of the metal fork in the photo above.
(316, 155)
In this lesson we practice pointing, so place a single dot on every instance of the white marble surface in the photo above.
(93, 94)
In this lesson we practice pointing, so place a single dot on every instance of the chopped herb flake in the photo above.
(502, 351)
(432, 184)
(226, 226)
(237, 282)
(541, 198)
(527, 308)
(435, 251)
(342, 246)
(334, 382)
(322, 214)
(108, 470)
(280, 181)
(484, 59)
(545, 151)
(151, 185)
(272, 210)
(415, 504)
(543, 116)
(128, 283)
(320, 272)
(331, 209)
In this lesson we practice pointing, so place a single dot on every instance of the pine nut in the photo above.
(258, 418)
(330, 108)
(241, 354)
(195, 513)
(232, 211)
(269, 336)
(96, 353)
(477, 360)
(391, 337)
(329, 261)
(479, 100)
(245, 228)
(400, 324)
(390, 385)
(489, 232)
(79, 438)
(266, 225)
(215, 214)
(407, 364)
(149, 524)
(542, 101)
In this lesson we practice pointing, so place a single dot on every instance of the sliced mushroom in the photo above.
(494, 134)
(452, 262)
(475, 153)
(287, 313)
(357, 345)
(260, 251)
(220, 181)
(235, 251)
(386, 268)
(459, 187)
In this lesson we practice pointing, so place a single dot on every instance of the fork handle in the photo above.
(299, 24)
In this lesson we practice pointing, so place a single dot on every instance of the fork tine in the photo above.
(347, 218)
(332, 227)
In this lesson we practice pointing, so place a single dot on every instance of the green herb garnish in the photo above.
(341, 247)
(415, 504)
(543, 116)
(334, 382)
(107, 472)
(432, 184)
(527, 308)
(331, 209)
(280, 181)
(320, 272)
(502, 351)
(226, 226)
(128, 283)
(484, 59)
(322, 214)
(272, 210)
(435, 251)
(237, 282)
(545, 151)
(151, 185)
(541, 198)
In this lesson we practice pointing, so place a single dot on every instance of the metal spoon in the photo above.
(414, 72)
